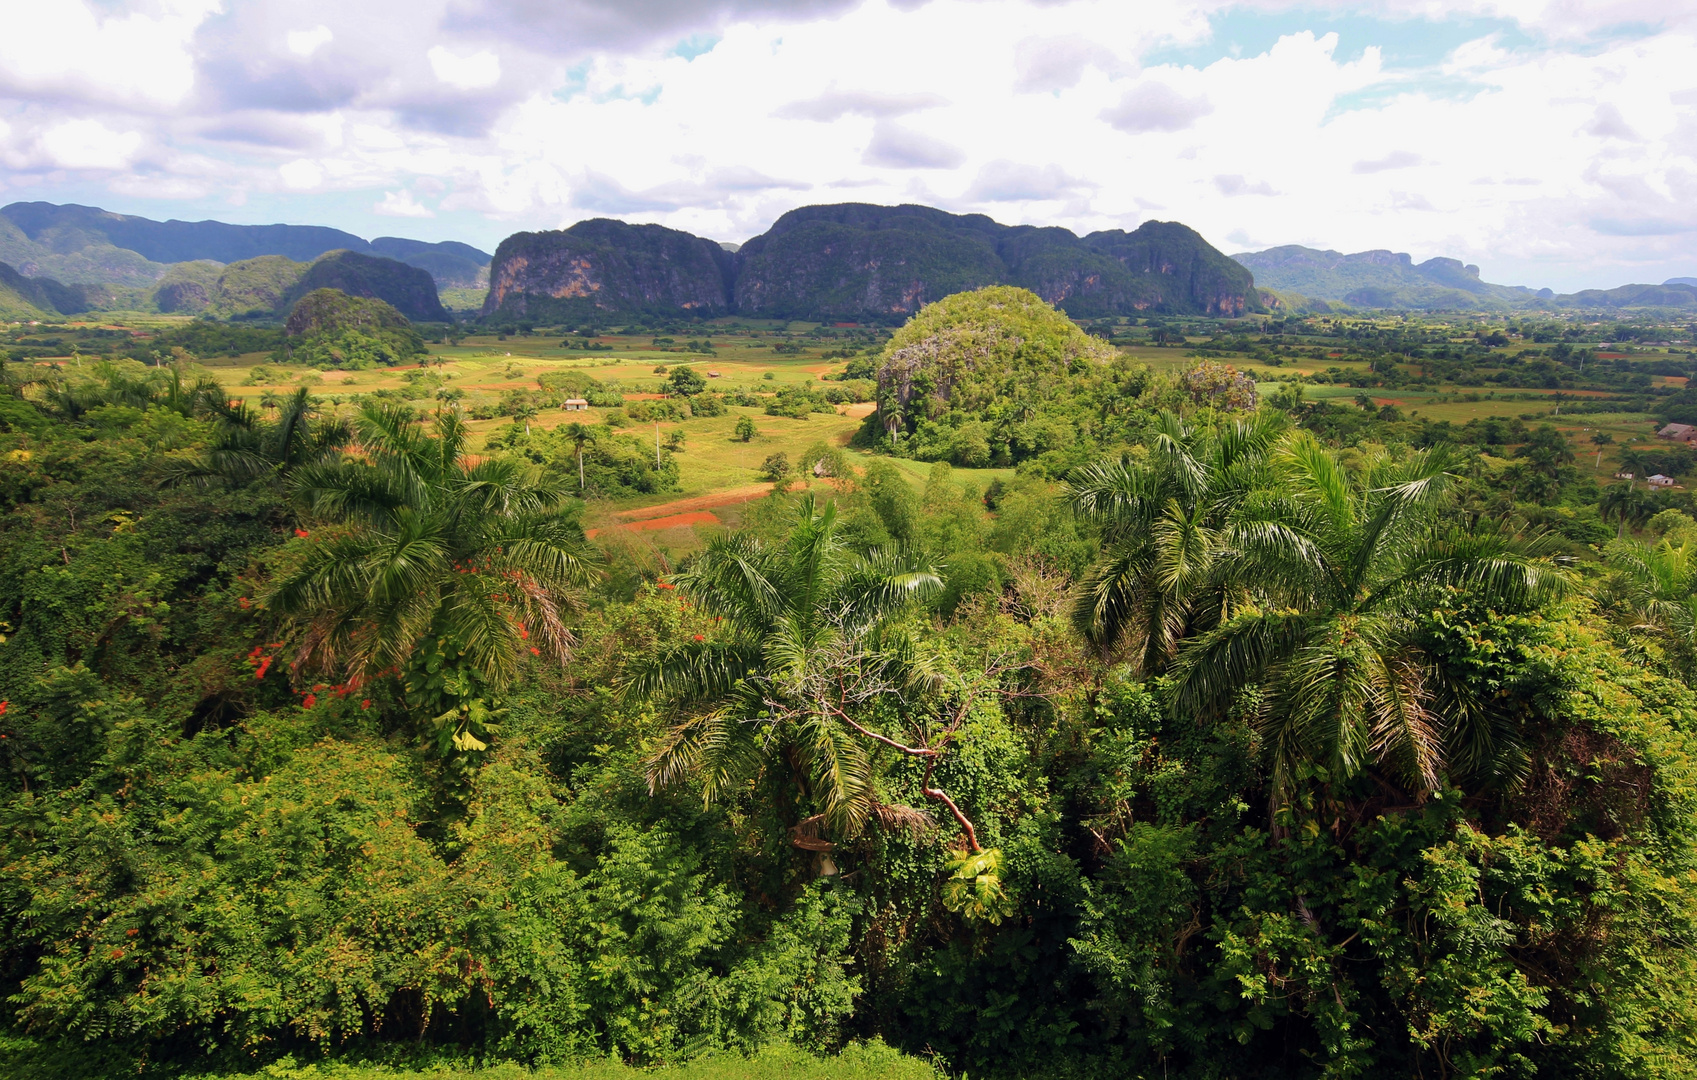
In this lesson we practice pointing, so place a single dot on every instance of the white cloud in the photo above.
(1571, 161)
(306, 42)
(896, 147)
(89, 144)
(402, 204)
(65, 49)
(1234, 184)
(835, 104)
(1007, 181)
(1396, 159)
(1155, 106)
(478, 71)
(302, 174)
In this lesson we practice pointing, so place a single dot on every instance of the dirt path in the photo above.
(727, 497)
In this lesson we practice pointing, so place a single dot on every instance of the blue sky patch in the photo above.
(1405, 43)
(577, 81)
(695, 45)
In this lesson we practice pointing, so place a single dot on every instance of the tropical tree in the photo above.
(1345, 571)
(1166, 523)
(1658, 583)
(806, 647)
(443, 571)
(745, 429)
(580, 435)
(1627, 505)
(245, 448)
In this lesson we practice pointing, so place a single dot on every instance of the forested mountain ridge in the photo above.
(857, 262)
(1378, 279)
(1388, 279)
(265, 287)
(605, 265)
(88, 245)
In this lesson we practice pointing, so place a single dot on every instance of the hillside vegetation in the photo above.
(1296, 711)
(88, 245)
(855, 262)
(995, 377)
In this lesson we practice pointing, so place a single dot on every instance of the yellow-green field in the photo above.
(717, 471)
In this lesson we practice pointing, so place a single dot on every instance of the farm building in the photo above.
(1684, 433)
(1659, 480)
(575, 404)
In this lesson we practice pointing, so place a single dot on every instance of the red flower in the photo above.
(309, 701)
(701, 637)
(3, 705)
(244, 602)
(365, 704)
(534, 651)
(302, 533)
(264, 666)
(663, 585)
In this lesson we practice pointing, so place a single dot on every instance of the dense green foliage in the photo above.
(881, 263)
(603, 266)
(407, 289)
(855, 262)
(995, 377)
(329, 328)
(1208, 742)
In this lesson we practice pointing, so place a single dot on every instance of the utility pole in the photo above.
(656, 446)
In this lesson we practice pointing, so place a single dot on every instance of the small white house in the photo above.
(575, 404)
(1623, 476)
(1659, 480)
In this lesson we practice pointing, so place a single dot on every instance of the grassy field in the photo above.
(859, 1061)
(717, 472)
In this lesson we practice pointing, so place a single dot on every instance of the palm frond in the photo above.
(693, 672)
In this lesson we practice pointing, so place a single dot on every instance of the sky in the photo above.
(1551, 142)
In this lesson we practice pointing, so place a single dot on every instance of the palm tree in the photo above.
(524, 413)
(806, 644)
(1166, 523)
(580, 435)
(157, 388)
(1348, 570)
(244, 448)
(435, 568)
(1627, 505)
(1659, 584)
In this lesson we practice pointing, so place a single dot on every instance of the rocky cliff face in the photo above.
(602, 266)
(856, 262)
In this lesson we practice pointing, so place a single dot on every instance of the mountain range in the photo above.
(1301, 277)
(849, 262)
(265, 287)
(857, 262)
(84, 245)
